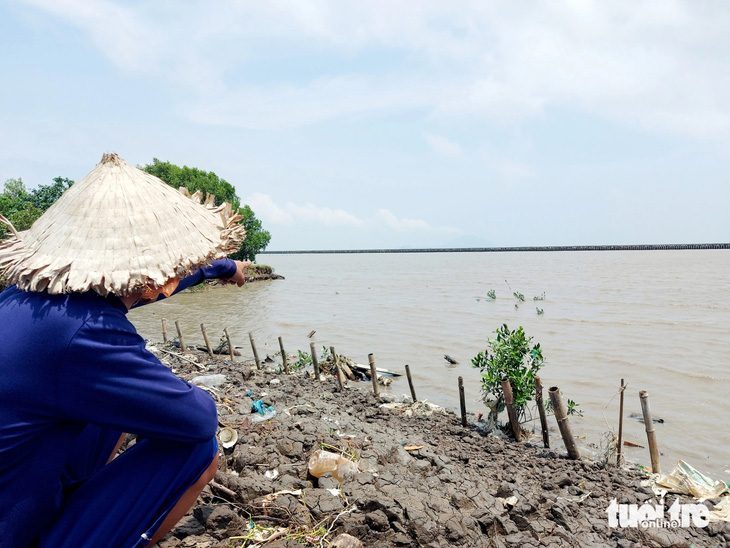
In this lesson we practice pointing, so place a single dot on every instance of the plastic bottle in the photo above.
(322, 462)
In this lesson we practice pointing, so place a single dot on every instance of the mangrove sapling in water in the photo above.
(511, 355)
(572, 408)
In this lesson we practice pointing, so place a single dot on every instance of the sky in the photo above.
(391, 124)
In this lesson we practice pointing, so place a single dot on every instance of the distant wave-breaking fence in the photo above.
(637, 247)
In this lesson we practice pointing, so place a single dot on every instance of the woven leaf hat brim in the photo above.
(118, 230)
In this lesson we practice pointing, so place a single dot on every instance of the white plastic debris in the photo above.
(211, 381)
(228, 437)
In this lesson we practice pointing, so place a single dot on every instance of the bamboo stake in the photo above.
(164, 330)
(338, 372)
(230, 346)
(180, 335)
(620, 424)
(650, 434)
(255, 352)
(410, 383)
(541, 410)
(509, 401)
(462, 401)
(562, 417)
(283, 356)
(374, 375)
(313, 350)
(205, 338)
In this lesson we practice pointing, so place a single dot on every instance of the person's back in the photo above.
(58, 374)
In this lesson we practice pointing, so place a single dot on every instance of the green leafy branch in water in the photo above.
(572, 408)
(510, 355)
(304, 359)
(540, 311)
(519, 296)
(539, 297)
(492, 294)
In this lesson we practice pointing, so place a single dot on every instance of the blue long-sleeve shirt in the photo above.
(67, 361)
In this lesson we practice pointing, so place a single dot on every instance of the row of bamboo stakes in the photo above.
(559, 410)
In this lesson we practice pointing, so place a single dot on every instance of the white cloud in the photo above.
(442, 145)
(267, 210)
(322, 215)
(309, 214)
(659, 64)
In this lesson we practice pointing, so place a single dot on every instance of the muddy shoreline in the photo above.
(424, 480)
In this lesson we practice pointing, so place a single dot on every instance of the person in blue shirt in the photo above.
(75, 375)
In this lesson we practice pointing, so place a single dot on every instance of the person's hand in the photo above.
(239, 278)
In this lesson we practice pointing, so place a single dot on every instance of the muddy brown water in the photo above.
(658, 319)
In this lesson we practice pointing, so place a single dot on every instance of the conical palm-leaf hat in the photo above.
(118, 230)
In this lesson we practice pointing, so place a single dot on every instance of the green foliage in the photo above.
(519, 296)
(256, 237)
(22, 207)
(45, 196)
(539, 297)
(195, 179)
(540, 311)
(512, 356)
(492, 294)
(572, 407)
(303, 360)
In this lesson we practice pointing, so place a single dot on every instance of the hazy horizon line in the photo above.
(622, 247)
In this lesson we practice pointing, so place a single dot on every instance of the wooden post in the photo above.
(509, 400)
(230, 346)
(373, 375)
(207, 341)
(650, 434)
(283, 356)
(255, 352)
(338, 372)
(543, 416)
(462, 401)
(410, 383)
(620, 424)
(313, 350)
(180, 335)
(164, 330)
(562, 418)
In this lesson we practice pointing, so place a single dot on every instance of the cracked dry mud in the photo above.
(449, 493)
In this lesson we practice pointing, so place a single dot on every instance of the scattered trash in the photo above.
(272, 474)
(261, 412)
(211, 381)
(413, 447)
(270, 413)
(228, 437)
(721, 511)
(322, 462)
(274, 382)
(632, 444)
(639, 417)
(311, 333)
(686, 480)
(419, 408)
(249, 393)
(508, 502)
